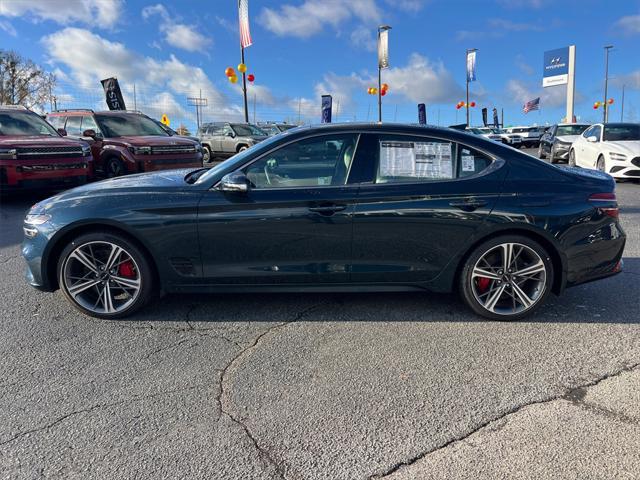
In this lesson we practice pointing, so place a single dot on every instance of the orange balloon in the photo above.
(229, 72)
(385, 87)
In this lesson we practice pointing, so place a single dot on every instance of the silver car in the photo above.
(225, 139)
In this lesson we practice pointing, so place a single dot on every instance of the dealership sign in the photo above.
(556, 67)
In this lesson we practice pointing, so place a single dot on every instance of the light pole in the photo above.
(383, 62)
(469, 50)
(606, 82)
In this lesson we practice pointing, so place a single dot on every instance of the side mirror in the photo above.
(236, 182)
(62, 132)
(91, 133)
(592, 139)
(231, 134)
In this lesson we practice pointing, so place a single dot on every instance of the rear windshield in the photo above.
(570, 130)
(247, 130)
(618, 133)
(129, 125)
(25, 124)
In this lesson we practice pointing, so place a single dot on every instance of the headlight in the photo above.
(8, 153)
(617, 156)
(36, 219)
(140, 150)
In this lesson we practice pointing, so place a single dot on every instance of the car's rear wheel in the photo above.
(572, 158)
(506, 277)
(114, 167)
(105, 275)
(206, 154)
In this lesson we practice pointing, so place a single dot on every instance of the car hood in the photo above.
(630, 148)
(255, 138)
(18, 141)
(154, 140)
(567, 138)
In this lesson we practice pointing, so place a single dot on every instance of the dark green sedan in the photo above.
(351, 207)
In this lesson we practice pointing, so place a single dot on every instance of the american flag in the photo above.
(531, 105)
(243, 15)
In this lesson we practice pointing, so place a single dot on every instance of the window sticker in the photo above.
(468, 163)
(416, 159)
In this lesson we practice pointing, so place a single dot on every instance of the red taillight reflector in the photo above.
(611, 211)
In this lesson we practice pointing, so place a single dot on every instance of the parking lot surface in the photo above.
(320, 386)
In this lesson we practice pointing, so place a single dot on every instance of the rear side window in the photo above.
(406, 159)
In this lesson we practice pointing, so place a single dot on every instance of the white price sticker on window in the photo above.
(468, 163)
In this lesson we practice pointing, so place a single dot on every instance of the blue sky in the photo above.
(304, 48)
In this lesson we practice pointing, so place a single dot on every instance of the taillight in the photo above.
(603, 202)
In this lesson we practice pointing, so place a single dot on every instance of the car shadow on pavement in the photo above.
(596, 302)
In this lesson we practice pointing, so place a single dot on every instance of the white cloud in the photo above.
(94, 12)
(310, 17)
(100, 58)
(523, 65)
(178, 35)
(407, 5)
(521, 92)
(630, 80)
(629, 24)
(502, 24)
(8, 28)
(362, 38)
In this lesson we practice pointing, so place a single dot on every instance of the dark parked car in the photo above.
(33, 155)
(556, 142)
(335, 207)
(124, 142)
(272, 128)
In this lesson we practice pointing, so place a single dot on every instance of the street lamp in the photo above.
(383, 62)
(470, 50)
(606, 82)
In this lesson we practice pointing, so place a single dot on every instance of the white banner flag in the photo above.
(471, 66)
(383, 49)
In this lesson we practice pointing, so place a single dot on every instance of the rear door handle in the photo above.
(468, 205)
(327, 209)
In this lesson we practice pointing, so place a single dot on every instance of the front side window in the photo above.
(73, 126)
(312, 162)
(248, 130)
(88, 123)
(597, 130)
(24, 124)
(57, 121)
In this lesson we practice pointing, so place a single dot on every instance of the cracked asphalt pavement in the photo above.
(320, 386)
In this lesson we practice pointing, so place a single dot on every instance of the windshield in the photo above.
(248, 130)
(238, 159)
(25, 124)
(617, 133)
(128, 125)
(570, 130)
(284, 128)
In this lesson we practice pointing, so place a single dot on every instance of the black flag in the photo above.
(113, 94)
(422, 114)
(484, 116)
(327, 102)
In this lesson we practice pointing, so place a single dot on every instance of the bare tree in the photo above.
(22, 82)
(182, 130)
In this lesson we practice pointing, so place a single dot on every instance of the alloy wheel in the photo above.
(509, 279)
(600, 164)
(102, 277)
(572, 159)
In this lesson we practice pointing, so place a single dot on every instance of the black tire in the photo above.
(206, 154)
(242, 148)
(541, 154)
(572, 158)
(466, 285)
(600, 164)
(141, 265)
(113, 167)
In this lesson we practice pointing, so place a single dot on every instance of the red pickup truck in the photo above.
(34, 155)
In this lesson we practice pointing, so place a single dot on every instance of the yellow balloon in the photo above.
(374, 91)
(242, 68)
(233, 79)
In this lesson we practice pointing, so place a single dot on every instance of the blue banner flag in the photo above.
(327, 102)
(422, 114)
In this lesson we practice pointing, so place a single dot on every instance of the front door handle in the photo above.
(468, 205)
(327, 209)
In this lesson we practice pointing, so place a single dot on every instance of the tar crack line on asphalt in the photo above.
(224, 406)
(574, 395)
(96, 407)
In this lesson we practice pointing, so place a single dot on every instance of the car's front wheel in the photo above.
(506, 277)
(206, 154)
(572, 158)
(600, 164)
(105, 275)
(541, 154)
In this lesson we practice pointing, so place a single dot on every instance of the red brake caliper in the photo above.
(127, 270)
(482, 283)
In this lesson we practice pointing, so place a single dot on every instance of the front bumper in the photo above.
(624, 169)
(45, 174)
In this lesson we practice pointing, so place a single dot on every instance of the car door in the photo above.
(591, 149)
(423, 201)
(293, 225)
(228, 140)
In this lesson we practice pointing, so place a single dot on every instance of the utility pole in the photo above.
(469, 50)
(606, 82)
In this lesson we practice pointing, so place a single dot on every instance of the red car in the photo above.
(125, 142)
(34, 155)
